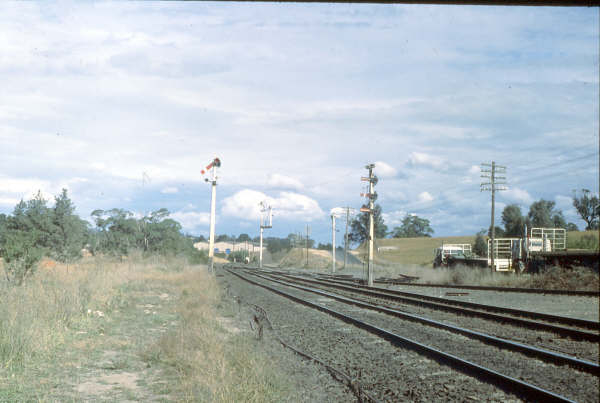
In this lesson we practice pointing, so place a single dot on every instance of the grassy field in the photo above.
(134, 330)
(420, 251)
(415, 250)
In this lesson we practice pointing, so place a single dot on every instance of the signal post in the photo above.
(216, 163)
(264, 208)
(372, 179)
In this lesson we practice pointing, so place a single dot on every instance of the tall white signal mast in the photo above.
(264, 208)
(216, 163)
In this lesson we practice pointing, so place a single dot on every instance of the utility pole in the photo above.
(372, 179)
(264, 208)
(333, 242)
(307, 235)
(348, 209)
(216, 163)
(492, 185)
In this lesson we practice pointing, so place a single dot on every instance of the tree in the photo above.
(26, 238)
(69, 234)
(324, 246)
(275, 245)
(480, 247)
(513, 220)
(543, 215)
(244, 238)
(117, 231)
(572, 227)
(498, 232)
(360, 226)
(588, 208)
(413, 227)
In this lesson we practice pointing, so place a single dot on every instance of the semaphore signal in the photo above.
(214, 164)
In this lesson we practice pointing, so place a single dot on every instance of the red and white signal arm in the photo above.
(216, 163)
(365, 209)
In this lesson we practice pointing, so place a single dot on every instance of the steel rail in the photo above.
(442, 305)
(355, 387)
(504, 382)
(588, 324)
(544, 355)
(580, 293)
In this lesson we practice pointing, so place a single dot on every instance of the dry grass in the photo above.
(213, 364)
(41, 322)
(317, 259)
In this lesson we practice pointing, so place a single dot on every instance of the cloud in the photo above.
(22, 186)
(282, 181)
(191, 220)
(425, 160)
(425, 197)
(169, 190)
(518, 196)
(288, 205)
(393, 218)
(7, 201)
(384, 170)
(86, 93)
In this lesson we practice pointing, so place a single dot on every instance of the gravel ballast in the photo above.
(389, 372)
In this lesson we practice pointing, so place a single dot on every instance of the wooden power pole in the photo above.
(492, 185)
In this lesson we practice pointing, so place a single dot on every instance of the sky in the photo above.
(124, 103)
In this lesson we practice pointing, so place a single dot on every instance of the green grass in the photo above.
(418, 251)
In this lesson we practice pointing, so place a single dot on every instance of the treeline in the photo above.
(35, 229)
(541, 214)
(544, 214)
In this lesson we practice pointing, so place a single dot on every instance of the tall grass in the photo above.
(213, 364)
(59, 300)
(36, 316)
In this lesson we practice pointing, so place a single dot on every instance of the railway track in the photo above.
(410, 281)
(341, 311)
(545, 355)
(578, 329)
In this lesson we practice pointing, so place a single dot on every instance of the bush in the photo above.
(195, 256)
(586, 241)
(239, 256)
(20, 256)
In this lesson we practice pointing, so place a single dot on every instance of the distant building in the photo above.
(249, 247)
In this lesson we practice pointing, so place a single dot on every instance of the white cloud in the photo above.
(72, 84)
(7, 201)
(425, 160)
(245, 204)
(518, 196)
(169, 190)
(22, 186)
(384, 170)
(425, 197)
(393, 218)
(282, 181)
(191, 220)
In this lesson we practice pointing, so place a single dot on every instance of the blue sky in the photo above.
(124, 103)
